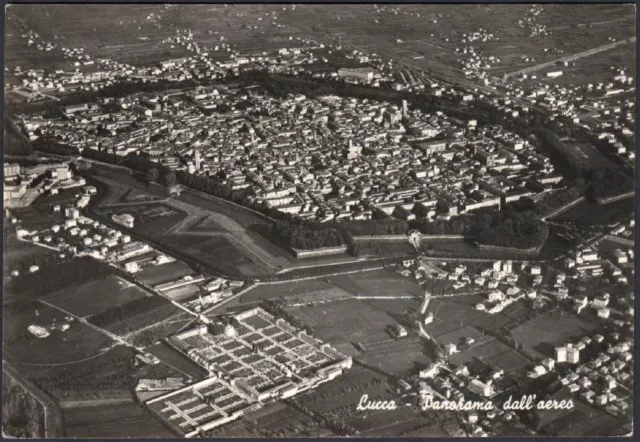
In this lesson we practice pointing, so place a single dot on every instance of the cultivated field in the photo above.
(274, 420)
(495, 354)
(152, 334)
(19, 255)
(125, 418)
(134, 315)
(291, 290)
(364, 327)
(582, 419)
(377, 283)
(400, 357)
(95, 297)
(157, 274)
(591, 213)
(78, 343)
(544, 333)
(177, 361)
(456, 312)
(423, 35)
(350, 321)
(338, 400)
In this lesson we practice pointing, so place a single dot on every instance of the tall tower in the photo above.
(196, 158)
(405, 109)
(425, 302)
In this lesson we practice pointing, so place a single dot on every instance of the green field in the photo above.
(124, 419)
(349, 321)
(135, 315)
(158, 274)
(152, 219)
(77, 343)
(339, 399)
(96, 296)
(273, 420)
(589, 212)
(551, 329)
(209, 230)
(456, 312)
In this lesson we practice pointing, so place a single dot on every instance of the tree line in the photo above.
(277, 308)
(301, 237)
(510, 227)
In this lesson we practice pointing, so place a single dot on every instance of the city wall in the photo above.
(615, 198)
(381, 238)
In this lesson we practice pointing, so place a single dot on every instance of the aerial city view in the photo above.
(318, 220)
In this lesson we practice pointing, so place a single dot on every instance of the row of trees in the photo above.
(21, 413)
(603, 180)
(114, 379)
(561, 153)
(387, 226)
(15, 142)
(455, 226)
(47, 145)
(277, 308)
(508, 228)
(606, 183)
(304, 238)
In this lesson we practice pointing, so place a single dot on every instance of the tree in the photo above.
(170, 179)
(152, 175)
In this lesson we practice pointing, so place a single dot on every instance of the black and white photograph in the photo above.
(318, 220)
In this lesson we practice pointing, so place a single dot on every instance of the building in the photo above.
(399, 331)
(72, 213)
(357, 73)
(11, 170)
(133, 249)
(481, 388)
(197, 160)
(573, 354)
(601, 301)
(450, 349)
(159, 384)
(14, 192)
(132, 267)
(284, 362)
(180, 282)
(561, 354)
(124, 219)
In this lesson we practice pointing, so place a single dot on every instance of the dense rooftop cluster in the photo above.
(323, 158)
